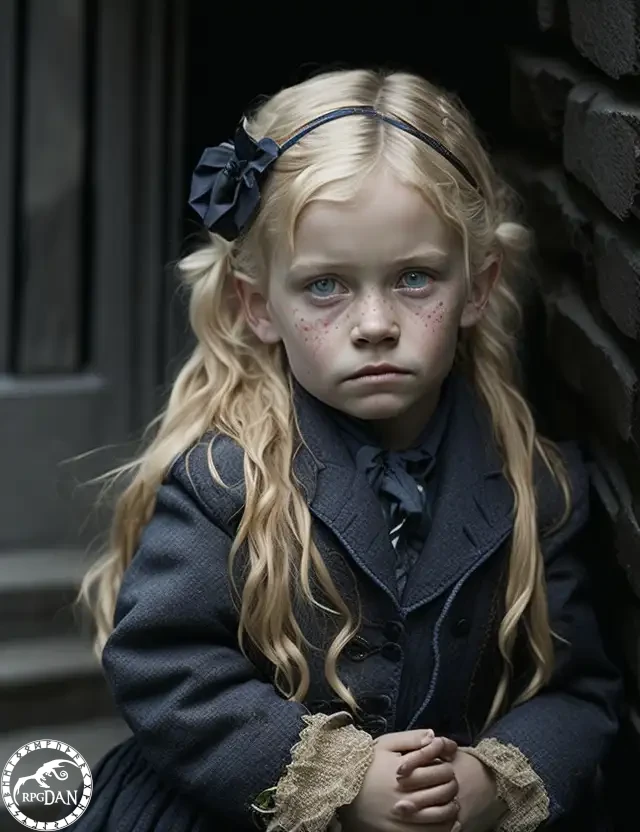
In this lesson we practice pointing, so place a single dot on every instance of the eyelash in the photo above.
(412, 290)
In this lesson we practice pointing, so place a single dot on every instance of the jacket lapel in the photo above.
(340, 496)
(472, 514)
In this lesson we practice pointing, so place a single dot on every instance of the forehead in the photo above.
(385, 218)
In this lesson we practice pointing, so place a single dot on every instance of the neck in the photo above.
(394, 434)
(400, 432)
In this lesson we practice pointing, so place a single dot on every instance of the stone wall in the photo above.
(575, 158)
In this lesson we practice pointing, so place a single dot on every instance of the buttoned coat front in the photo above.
(210, 729)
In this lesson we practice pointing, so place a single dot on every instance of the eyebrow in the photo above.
(432, 257)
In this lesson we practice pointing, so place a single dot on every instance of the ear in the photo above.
(481, 289)
(256, 309)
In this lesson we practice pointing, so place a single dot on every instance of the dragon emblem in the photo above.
(46, 770)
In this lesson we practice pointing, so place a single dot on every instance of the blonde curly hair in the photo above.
(238, 386)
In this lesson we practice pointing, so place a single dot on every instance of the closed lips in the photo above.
(382, 369)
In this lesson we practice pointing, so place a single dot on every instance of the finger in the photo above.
(430, 814)
(450, 749)
(408, 825)
(427, 777)
(403, 741)
(422, 757)
(438, 795)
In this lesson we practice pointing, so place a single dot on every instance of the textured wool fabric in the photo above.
(518, 785)
(405, 481)
(211, 731)
(327, 769)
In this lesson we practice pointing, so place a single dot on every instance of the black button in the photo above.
(392, 651)
(358, 649)
(393, 630)
(461, 628)
(357, 655)
(374, 725)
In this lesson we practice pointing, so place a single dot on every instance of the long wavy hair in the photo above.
(237, 386)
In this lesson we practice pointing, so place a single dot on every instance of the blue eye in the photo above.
(416, 280)
(326, 286)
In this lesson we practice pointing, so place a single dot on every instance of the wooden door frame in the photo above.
(136, 192)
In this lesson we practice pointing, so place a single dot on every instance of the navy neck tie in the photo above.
(398, 478)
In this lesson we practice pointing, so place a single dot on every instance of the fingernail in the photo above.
(401, 772)
(428, 739)
(457, 826)
(403, 807)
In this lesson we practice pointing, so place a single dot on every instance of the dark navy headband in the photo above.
(225, 188)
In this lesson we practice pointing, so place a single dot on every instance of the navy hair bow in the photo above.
(225, 189)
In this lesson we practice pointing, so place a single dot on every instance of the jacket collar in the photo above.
(472, 512)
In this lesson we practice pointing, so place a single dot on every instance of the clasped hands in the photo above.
(417, 780)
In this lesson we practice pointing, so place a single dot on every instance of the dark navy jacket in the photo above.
(210, 729)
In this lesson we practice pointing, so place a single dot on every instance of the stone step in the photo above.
(37, 590)
(53, 680)
(92, 739)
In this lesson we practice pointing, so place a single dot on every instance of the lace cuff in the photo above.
(327, 769)
(518, 785)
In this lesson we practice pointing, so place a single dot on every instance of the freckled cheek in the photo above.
(438, 317)
(315, 334)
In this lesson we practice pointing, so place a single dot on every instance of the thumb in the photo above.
(403, 741)
(449, 750)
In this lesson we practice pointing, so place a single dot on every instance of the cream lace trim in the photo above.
(327, 769)
(518, 785)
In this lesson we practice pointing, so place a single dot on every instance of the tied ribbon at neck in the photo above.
(397, 475)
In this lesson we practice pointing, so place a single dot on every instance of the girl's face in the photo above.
(370, 305)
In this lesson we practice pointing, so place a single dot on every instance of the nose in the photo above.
(376, 322)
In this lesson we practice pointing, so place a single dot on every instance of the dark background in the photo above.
(105, 108)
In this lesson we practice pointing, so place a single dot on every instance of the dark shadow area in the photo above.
(457, 44)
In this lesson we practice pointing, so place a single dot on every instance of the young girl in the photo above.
(347, 568)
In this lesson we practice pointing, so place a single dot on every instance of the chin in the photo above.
(378, 407)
